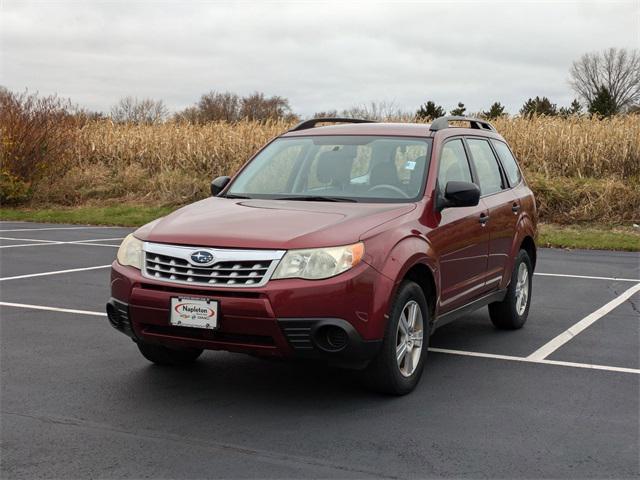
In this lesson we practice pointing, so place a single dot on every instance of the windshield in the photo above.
(337, 168)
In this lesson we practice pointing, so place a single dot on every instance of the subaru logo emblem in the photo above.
(201, 257)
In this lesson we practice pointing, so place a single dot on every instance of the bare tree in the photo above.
(145, 111)
(188, 115)
(216, 106)
(616, 69)
(230, 107)
(378, 111)
(325, 114)
(258, 107)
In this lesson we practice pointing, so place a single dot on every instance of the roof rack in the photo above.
(313, 122)
(443, 122)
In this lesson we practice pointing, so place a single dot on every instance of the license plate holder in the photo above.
(194, 312)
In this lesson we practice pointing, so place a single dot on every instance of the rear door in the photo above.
(502, 206)
(461, 239)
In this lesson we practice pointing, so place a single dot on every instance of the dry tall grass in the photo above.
(582, 169)
(575, 146)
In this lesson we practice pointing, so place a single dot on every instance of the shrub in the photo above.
(35, 134)
(13, 190)
(570, 200)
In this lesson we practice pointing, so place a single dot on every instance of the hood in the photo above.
(270, 224)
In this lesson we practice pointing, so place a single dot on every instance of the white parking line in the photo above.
(540, 361)
(44, 274)
(550, 347)
(589, 277)
(435, 350)
(97, 244)
(30, 245)
(96, 240)
(54, 242)
(28, 240)
(53, 309)
(53, 228)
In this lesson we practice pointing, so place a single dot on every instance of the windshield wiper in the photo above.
(231, 195)
(317, 198)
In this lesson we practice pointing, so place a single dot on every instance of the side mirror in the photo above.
(459, 194)
(218, 185)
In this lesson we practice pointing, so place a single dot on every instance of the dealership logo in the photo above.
(185, 310)
(202, 257)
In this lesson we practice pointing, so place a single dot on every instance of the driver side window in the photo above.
(454, 165)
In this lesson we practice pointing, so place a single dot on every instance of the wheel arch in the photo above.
(422, 275)
(412, 258)
(529, 246)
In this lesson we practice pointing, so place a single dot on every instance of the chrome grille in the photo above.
(230, 268)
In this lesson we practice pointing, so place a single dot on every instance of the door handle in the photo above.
(483, 219)
(515, 208)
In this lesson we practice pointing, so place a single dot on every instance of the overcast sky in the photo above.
(320, 55)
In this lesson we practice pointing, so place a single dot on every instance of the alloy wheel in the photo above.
(522, 288)
(409, 338)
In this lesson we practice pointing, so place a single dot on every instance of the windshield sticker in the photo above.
(410, 165)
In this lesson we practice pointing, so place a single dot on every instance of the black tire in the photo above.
(505, 314)
(384, 374)
(161, 355)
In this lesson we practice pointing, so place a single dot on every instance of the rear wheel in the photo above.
(398, 366)
(162, 355)
(512, 312)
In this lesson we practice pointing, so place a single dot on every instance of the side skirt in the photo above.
(449, 317)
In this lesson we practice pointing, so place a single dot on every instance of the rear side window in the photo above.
(508, 162)
(486, 166)
(454, 165)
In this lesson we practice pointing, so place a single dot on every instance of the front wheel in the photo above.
(512, 312)
(161, 355)
(398, 366)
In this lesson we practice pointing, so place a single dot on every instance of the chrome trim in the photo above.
(493, 280)
(221, 255)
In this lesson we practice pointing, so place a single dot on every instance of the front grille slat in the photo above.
(213, 273)
(207, 272)
(232, 268)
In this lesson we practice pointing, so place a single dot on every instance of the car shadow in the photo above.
(242, 383)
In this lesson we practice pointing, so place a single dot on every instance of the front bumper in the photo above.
(341, 319)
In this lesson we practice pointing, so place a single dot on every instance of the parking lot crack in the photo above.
(631, 300)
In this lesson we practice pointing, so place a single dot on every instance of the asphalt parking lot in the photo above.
(557, 399)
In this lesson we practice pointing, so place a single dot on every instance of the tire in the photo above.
(386, 373)
(512, 312)
(161, 355)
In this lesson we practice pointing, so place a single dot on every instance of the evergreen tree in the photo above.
(538, 106)
(430, 111)
(459, 111)
(496, 110)
(603, 103)
(574, 109)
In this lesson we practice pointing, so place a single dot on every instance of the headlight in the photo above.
(318, 263)
(130, 252)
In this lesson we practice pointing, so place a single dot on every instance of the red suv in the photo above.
(348, 243)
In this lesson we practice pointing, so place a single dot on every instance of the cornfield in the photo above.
(581, 168)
